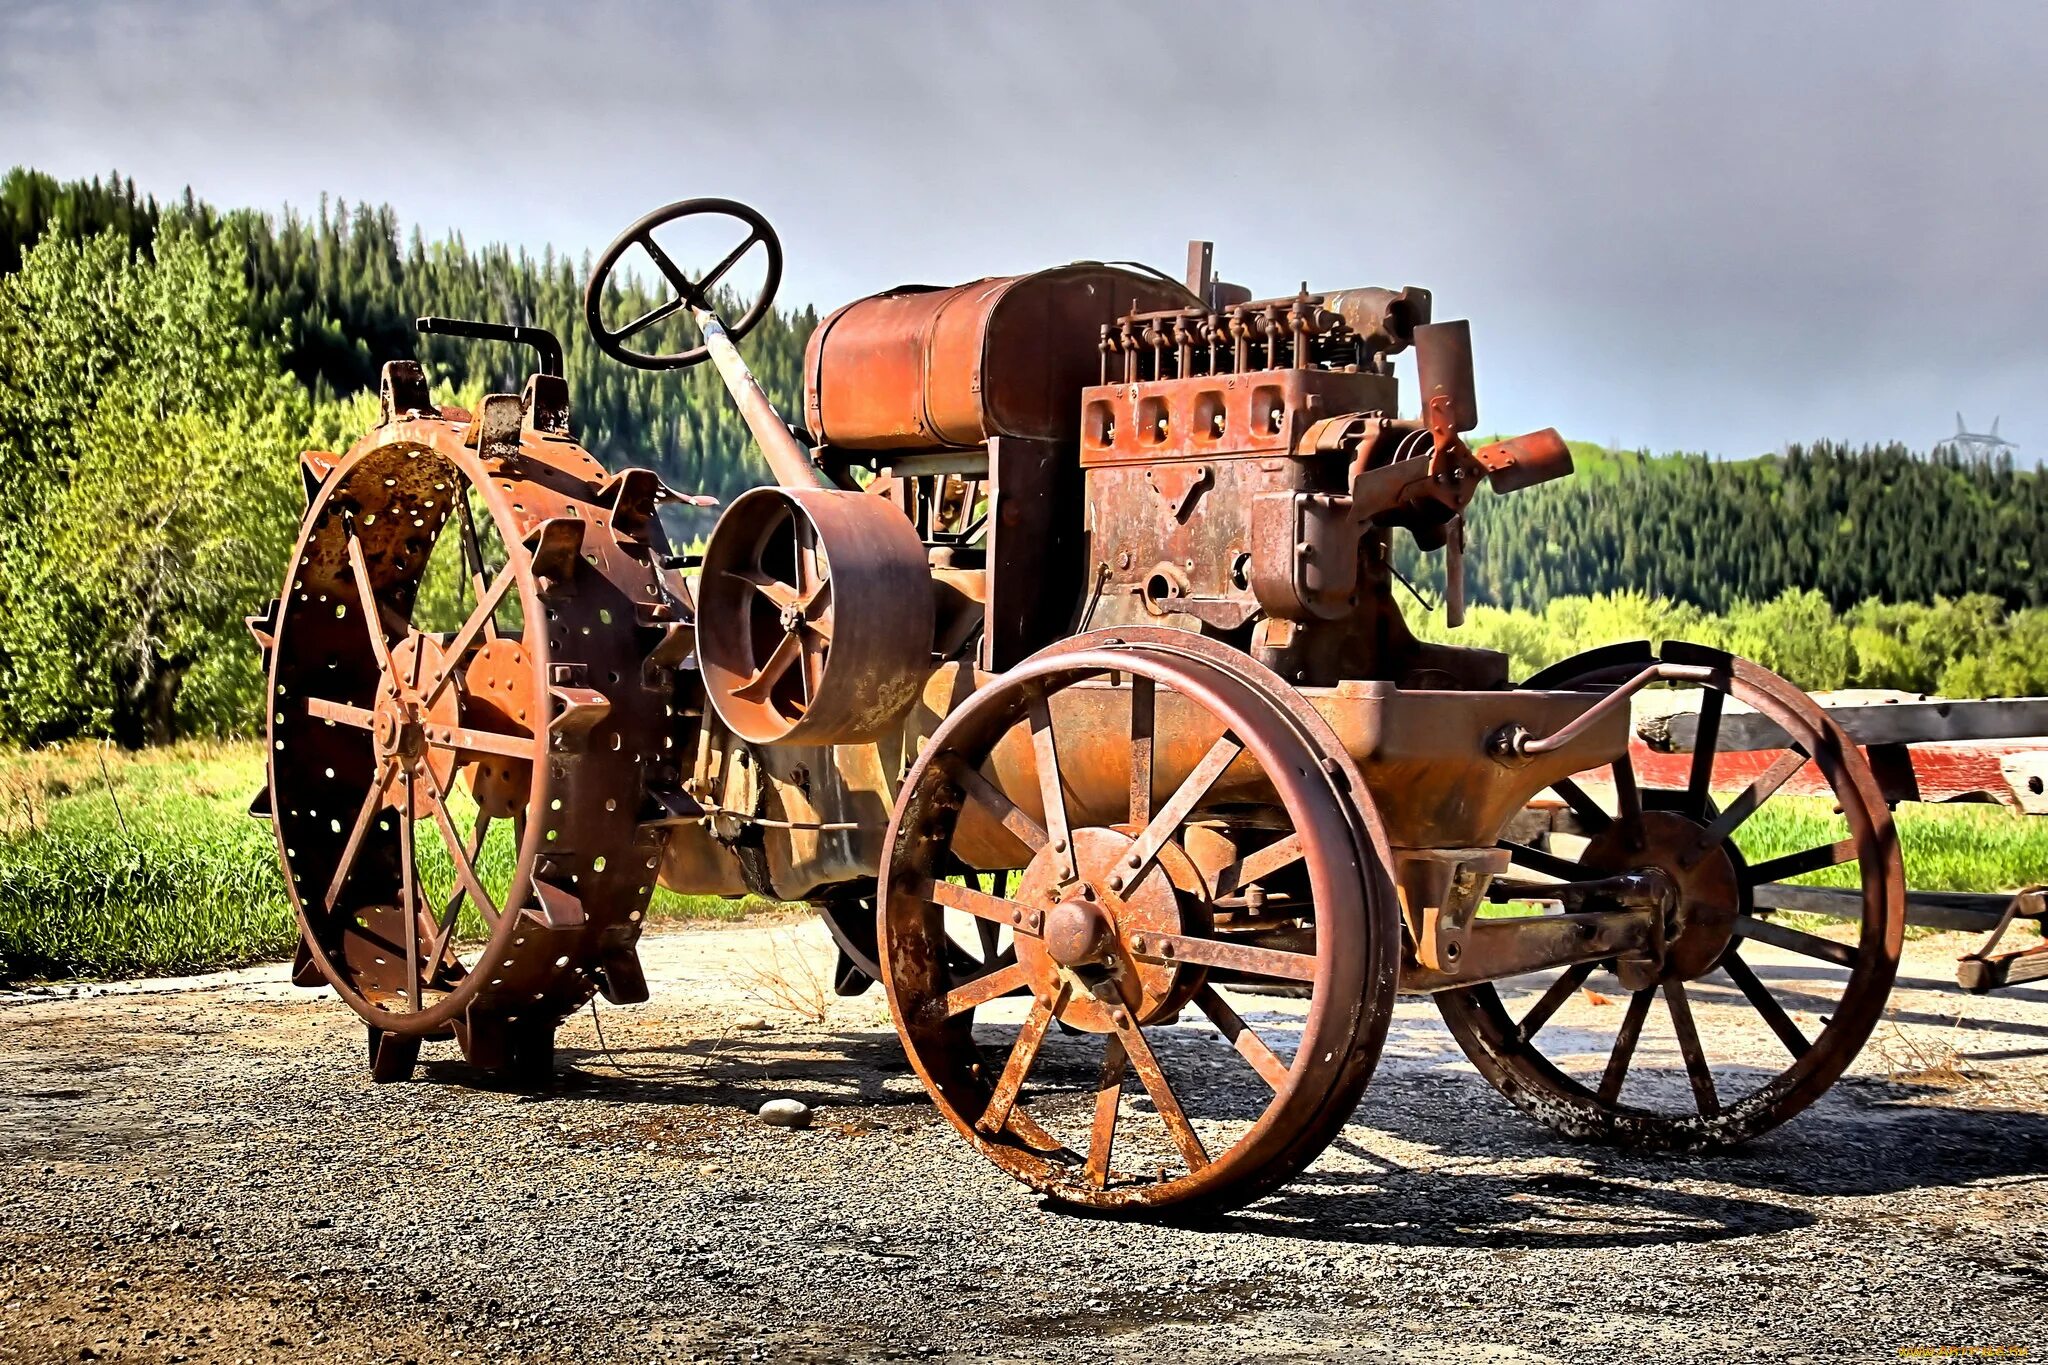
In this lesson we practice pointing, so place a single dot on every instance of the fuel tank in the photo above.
(924, 368)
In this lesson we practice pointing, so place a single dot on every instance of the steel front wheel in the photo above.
(462, 732)
(1184, 851)
(1791, 1003)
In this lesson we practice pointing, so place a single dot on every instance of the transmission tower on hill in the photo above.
(1977, 445)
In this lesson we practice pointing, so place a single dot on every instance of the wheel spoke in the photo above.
(1625, 1044)
(1051, 788)
(1021, 918)
(732, 258)
(1219, 952)
(1696, 1069)
(770, 587)
(1536, 860)
(989, 986)
(808, 576)
(458, 648)
(1705, 739)
(1795, 941)
(1590, 814)
(371, 805)
(1801, 863)
(1163, 1099)
(465, 870)
(1628, 801)
(1552, 1000)
(410, 888)
(340, 712)
(668, 268)
(473, 557)
(816, 637)
(788, 650)
(464, 740)
(986, 933)
(1167, 821)
(366, 602)
(817, 609)
(1143, 705)
(1745, 805)
(1006, 811)
(1258, 866)
(1766, 1004)
(1023, 1054)
(1109, 1093)
(649, 318)
(1240, 1035)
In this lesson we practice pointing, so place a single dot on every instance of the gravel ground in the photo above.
(202, 1171)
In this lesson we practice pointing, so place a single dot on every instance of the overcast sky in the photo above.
(1680, 226)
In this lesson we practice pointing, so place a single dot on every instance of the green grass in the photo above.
(1946, 847)
(150, 865)
(122, 865)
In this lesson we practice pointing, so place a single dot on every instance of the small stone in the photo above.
(751, 1025)
(786, 1114)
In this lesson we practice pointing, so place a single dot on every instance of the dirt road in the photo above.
(207, 1174)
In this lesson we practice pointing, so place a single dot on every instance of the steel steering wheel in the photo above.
(694, 295)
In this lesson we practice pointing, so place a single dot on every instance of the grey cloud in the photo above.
(1701, 226)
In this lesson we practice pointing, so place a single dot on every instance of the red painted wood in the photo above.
(1946, 772)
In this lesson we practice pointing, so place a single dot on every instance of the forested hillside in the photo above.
(334, 296)
(162, 363)
(1878, 522)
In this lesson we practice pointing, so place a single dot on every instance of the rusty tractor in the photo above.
(1061, 669)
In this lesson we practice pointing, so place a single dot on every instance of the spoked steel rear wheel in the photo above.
(1582, 1066)
(1180, 837)
(459, 700)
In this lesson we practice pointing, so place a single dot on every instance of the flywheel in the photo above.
(469, 702)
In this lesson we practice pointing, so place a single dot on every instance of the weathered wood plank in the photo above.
(1970, 911)
(1902, 722)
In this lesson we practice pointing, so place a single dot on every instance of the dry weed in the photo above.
(788, 979)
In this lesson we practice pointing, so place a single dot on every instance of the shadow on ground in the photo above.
(1868, 1137)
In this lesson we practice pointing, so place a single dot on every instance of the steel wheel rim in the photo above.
(580, 554)
(1495, 1043)
(1341, 1031)
(376, 460)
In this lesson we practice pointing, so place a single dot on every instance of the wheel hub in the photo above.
(1089, 928)
(1703, 900)
(399, 727)
(1079, 931)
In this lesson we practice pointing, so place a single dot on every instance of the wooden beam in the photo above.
(1970, 911)
(1903, 722)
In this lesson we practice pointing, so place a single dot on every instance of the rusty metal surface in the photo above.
(815, 616)
(1689, 837)
(547, 716)
(1064, 670)
(1089, 901)
(918, 368)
